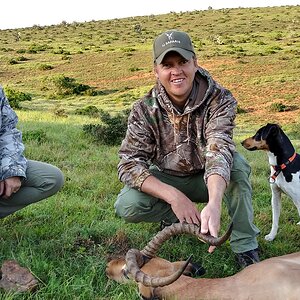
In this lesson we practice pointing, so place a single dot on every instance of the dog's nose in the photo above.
(245, 144)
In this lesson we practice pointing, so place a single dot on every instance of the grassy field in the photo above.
(66, 240)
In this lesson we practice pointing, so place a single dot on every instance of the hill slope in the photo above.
(254, 52)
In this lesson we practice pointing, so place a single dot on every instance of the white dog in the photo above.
(285, 168)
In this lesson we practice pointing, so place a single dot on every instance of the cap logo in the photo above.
(170, 39)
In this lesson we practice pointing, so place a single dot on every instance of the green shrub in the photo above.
(278, 107)
(240, 110)
(111, 131)
(13, 61)
(90, 110)
(45, 67)
(68, 86)
(59, 51)
(65, 57)
(35, 48)
(14, 97)
(60, 112)
(22, 58)
(21, 51)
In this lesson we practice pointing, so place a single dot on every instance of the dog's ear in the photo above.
(269, 130)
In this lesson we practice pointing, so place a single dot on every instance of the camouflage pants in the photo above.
(135, 206)
(43, 180)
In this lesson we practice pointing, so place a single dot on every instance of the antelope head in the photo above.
(139, 264)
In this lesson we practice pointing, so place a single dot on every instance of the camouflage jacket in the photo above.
(12, 161)
(180, 142)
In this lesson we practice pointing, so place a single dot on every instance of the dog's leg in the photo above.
(297, 203)
(294, 194)
(276, 207)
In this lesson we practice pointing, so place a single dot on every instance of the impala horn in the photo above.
(134, 256)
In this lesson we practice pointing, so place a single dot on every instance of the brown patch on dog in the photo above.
(252, 144)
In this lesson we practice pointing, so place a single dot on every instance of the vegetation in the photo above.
(277, 107)
(15, 97)
(66, 240)
(111, 131)
(254, 52)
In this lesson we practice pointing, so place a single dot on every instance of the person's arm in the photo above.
(219, 158)
(136, 151)
(211, 213)
(12, 161)
(219, 135)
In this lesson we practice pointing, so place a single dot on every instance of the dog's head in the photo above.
(260, 141)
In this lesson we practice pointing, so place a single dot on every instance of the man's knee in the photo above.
(56, 180)
(127, 205)
(46, 177)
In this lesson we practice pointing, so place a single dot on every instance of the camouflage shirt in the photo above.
(180, 142)
(12, 161)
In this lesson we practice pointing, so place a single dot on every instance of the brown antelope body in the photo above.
(276, 278)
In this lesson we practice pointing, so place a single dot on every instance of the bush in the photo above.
(35, 48)
(13, 61)
(60, 112)
(68, 86)
(45, 67)
(14, 97)
(278, 107)
(240, 110)
(21, 58)
(20, 51)
(113, 129)
(90, 110)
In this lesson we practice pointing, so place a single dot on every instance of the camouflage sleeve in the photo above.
(136, 150)
(219, 134)
(12, 160)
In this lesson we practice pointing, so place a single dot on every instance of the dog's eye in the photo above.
(257, 137)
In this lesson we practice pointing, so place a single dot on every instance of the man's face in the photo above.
(176, 75)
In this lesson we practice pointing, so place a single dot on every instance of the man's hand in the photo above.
(9, 186)
(211, 213)
(210, 221)
(185, 210)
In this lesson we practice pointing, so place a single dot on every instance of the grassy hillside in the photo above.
(254, 52)
(66, 240)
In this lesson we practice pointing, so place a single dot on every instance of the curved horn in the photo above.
(180, 228)
(133, 255)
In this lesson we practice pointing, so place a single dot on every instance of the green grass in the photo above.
(66, 240)
(252, 51)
